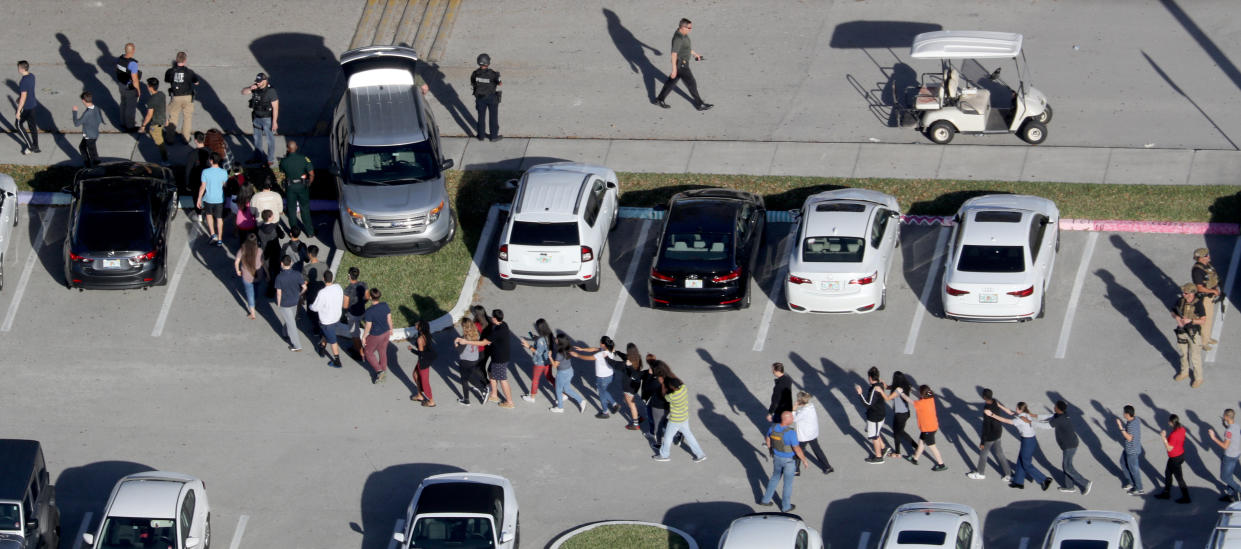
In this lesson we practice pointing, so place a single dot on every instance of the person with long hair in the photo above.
(468, 359)
(246, 220)
(424, 347)
(215, 143)
(806, 421)
(928, 425)
(540, 344)
(1174, 442)
(559, 359)
(653, 396)
(900, 414)
(482, 322)
(603, 373)
(249, 265)
(632, 384)
(1024, 422)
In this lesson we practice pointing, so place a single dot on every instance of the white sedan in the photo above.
(1000, 258)
(842, 252)
(155, 509)
(932, 525)
(1094, 530)
(770, 531)
(461, 510)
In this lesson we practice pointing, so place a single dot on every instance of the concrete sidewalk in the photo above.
(863, 160)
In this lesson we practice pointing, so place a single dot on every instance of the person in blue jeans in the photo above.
(603, 373)
(1232, 452)
(1025, 423)
(678, 422)
(559, 358)
(782, 441)
(1131, 458)
(265, 113)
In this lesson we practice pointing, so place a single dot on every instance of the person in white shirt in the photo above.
(1025, 423)
(806, 421)
(267, 199)
(328, 306)
(603, 373)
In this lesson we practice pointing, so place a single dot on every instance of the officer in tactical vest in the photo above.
(1206, 279)
(486, 84)
(181, 82)
(128, 87)
(265, 112)
(1190, 316)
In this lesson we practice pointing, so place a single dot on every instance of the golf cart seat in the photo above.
(974, 100)
(930, 97)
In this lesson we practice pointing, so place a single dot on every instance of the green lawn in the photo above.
(629, 536)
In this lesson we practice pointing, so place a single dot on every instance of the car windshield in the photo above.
(454, 532)
(1083, 544)
(921, 537)
(396, 164)
(833, 249)
(113, 225)
(992, 259)
(128, 533)
(10, 517)
(526, 233)
(697, 247)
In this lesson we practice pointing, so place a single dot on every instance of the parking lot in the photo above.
(297, 454)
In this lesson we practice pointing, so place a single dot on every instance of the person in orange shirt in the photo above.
(928, 424)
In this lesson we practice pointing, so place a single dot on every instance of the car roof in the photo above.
(1015, 202)
(764, 530)
(551, 192)
(17, 459)
(838, 223)
(965, 45)
(850, 193)
(152, 494)
(383, 114)
(369, 56)
(7, 183)
(1098, 525)
(456, 493)
(995, 233)
(931, 516)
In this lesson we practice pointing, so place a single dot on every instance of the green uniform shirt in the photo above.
(295, 166)
(680, 46)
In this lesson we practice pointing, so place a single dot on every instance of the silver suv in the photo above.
(386, 158)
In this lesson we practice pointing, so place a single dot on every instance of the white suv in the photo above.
(558, 226)
(155, 509)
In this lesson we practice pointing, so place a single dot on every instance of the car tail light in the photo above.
(796, 307)
(953, 291)
(794, 279)
(866, 279)
(730, 301)
(656, 300)
(76, 257)
(660, 276)
(144, 257)
(1023, 293)
(866, 308)
(728, 277)
(587, 254)
(504, 252)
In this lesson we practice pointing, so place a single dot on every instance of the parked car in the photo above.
(708, 250)
(387, 160)
(155, 509)
(770, 531)
(29, 518)
(1000, 258)
(461, 510)
(8, 217)
(1093, 530)
(842, 252)
(120, 216)
(558, 226)
(932, 525)
(1227, 532)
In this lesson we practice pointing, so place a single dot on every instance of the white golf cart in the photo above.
(963, 97)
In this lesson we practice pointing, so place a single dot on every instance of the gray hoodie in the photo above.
(89, 119)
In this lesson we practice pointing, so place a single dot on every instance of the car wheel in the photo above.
(592, 285)
(1046, 116)
(941, 132)
(1033, 132)
(507, 285)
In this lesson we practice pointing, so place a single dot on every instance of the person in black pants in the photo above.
(1174, 441)
(653, 396)
(781, 394)
(89, 120)
(900, 415)
(486, 85)
(681, 53)
(806, 421)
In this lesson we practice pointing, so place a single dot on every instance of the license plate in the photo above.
(988, 298)
(691, 283)
(830, 286)
(544, 258)
(111, 263)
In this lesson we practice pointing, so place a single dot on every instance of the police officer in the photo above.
(181, 82)
(681, 53)
(1206, 279)
(128, 86)
(264, 111)
(299, 173)
(486, 84)
(1190, 315)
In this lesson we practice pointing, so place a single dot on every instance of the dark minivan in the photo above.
(708, 250)
(29, 518)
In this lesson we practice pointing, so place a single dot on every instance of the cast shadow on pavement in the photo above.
(1029, 518)
(741, 399)
(1129, 305)
(705, 520)
(1192, 454)
(87, 73)
(85, 489)
(215, 260)
(750, 456)
(863, 512)
(817, 383)
(301, 68)
(1089, 438)
(1194, 522)
(952, 409)
(633, 51)
(45, 123)
(387, 494)
(447, 96)
(884, 97)
(1148, 471)
(1193, 422)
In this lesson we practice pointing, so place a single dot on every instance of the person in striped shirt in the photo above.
(678, 421)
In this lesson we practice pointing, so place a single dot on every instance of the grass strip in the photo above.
(631, 536)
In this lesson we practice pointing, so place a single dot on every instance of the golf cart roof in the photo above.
(966, 45)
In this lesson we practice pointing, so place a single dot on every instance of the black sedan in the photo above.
(118, 226)
(708, 249)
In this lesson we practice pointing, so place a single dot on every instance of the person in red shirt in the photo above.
(1174, 441)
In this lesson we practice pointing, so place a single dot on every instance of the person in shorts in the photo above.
(327, 308)
(211, 198)
(928, 424)
(354, 304)
(498, 342)
(876, 412)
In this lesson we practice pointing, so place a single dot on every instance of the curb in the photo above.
(562, 539)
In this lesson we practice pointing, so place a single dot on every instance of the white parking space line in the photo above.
(400, 527)
(172, 290)
(863, 540)
(1178, 545)
(1227, 289)
(777, 287)
(623, 294)
(1071, 311)
(240, 531)
(916, 326)
(77, 540)
(1025, 541)
(27, 270)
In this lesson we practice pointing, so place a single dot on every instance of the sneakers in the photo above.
(615, 408)
(911, 459)
(632, 426)
(658, 457)
(1181, 377)
(940, 467)
(1017, 486)
(1066, 489)
(556, 410)
(527, 398)
(1006, 478)
(975, 475)
(874, 460)
(829, 471)
(791, 506)
(463, 402)
(1086, 488)
(1196, 384)
(766, 504)
(700, 459)
(661, 104)
(1046, 483)
(602, 415)
(1127, 488)
(704, 106)
(581, 406)
(1137, 492)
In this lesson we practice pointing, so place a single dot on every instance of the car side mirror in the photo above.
(32, 524)
(191, 543)
(895, 215)
(447, 165)
(88, 539)
(399, 537)
(611, 184)
(506, 537)
(511, 184)
(1044, 221)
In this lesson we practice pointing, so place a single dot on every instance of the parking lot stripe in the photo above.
(863, 540)
(77, 541)
(1178, 545)
(27, 270)
(400, 527)
(777, 286)
(1025, 542)
(1078, 280)
(1228, 280)
(240, 531)
(172, 290)
(927, 286)
(621, 297)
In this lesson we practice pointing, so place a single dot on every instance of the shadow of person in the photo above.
(1194, 422)
(633, 51)
(1150, 474)
(106, 63)
(1130, 306)
(748, 455)
(951, 408)
(1086, 434)
(845, 381)
(87, 73)
(447, 95)
(901, 78)
(813, 381)
(7, 122)
(205, 95)
(1007, 526)
(385, 496)
(864, 513)
(1157, 282)
(740, 399)
(292, 60)
(1161, 424)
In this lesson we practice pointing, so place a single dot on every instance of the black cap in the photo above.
(260, 77)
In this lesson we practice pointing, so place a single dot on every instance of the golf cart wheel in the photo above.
(941, 132)
(1033, 132)
(1046, 116)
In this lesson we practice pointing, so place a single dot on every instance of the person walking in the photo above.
(296, 249)
(424, 347)
(354, 305)
(559, 359)
(469, 357)
(991, 433)
(1190, 314)
(781, 394)
(245, 221)
(603, 374)
(1025, 423)
(680, 54)
(154, 119)
(326, 308)
(1131, 458)
(876, 403)
(678, 422)
(268, 199)
(289, 288)
(1206, 281)
(128, 77)
(1231, 444)
(269, 235)
(182, 82)
(928, 425)
(1174, 442)
(1067, 440)
(653, 397)
(248, 266)
(900, 414)
(377, 333)
(299, 174)
(497, 339)
(90, 120)
(313, 272)
(486, 85)
(631, 385)
(215, 142)
(26, 105)
(265, 115)
(540, 345)
(806, 420)
(196, 161)
(211, 199)
(782, 441)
